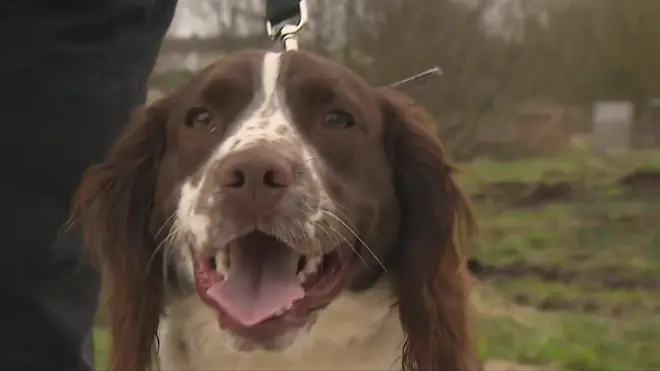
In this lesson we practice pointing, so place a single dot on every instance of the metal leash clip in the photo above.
(282, 29)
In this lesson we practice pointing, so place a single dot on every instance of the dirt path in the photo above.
(610, 279)
(499, 365)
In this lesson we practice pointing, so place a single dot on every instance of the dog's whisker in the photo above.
(165, 223)
(302, 233)
(288, 237)
(332, 236)
(165, 272)
(342, 212)
(164, 247)
(337, 233)
(357, 237)
(172, 235)
(337, 249)
(160, 248)
(165, 240)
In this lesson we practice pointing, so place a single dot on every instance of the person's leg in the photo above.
(48, 315)
(66, 89)
(49, 289)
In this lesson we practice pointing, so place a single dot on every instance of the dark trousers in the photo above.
(70, 73)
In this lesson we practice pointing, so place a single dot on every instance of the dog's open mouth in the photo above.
(261, 287)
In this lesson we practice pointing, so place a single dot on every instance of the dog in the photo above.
(277, 212)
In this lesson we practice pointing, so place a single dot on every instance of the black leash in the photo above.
(278, 11)
(285, 18)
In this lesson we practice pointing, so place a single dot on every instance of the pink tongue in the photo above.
(261, 280)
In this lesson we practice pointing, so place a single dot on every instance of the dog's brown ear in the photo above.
(113, 203)
(430, 274)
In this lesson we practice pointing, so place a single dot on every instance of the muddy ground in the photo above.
(594, 279)
(639, 184)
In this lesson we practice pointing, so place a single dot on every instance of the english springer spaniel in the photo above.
(278, 213)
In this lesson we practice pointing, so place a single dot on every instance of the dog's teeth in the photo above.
(312, 264)
(222, 262)
(310, 230)
(282, 311)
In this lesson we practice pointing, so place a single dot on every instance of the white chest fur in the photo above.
(355, 332)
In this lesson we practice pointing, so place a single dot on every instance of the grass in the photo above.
(574, 341)
(102, 344)
(593, 290)
(570, 165)
(574, 284)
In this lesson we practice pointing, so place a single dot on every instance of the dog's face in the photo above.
(282, 179)
(274, 171)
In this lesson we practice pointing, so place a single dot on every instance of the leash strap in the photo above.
(416, 79)
(284, 19)
(278, 11)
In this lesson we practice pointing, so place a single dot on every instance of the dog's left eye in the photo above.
(338, 120)
(198, 118)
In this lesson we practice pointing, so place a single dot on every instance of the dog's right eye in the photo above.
(198, 118)
(339, 120)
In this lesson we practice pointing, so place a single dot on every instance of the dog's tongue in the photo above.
(261, 280)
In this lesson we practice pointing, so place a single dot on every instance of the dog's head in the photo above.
(270, 183)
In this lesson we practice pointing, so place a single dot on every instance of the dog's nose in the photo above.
(255, 177)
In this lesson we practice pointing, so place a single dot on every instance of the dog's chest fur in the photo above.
(355, 332)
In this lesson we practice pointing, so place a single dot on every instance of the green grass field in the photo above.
(570, 255)
(570, 246)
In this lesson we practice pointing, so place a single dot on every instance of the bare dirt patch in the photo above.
(520, 194)
(500, 365)
(603, 277)
(641, 183)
